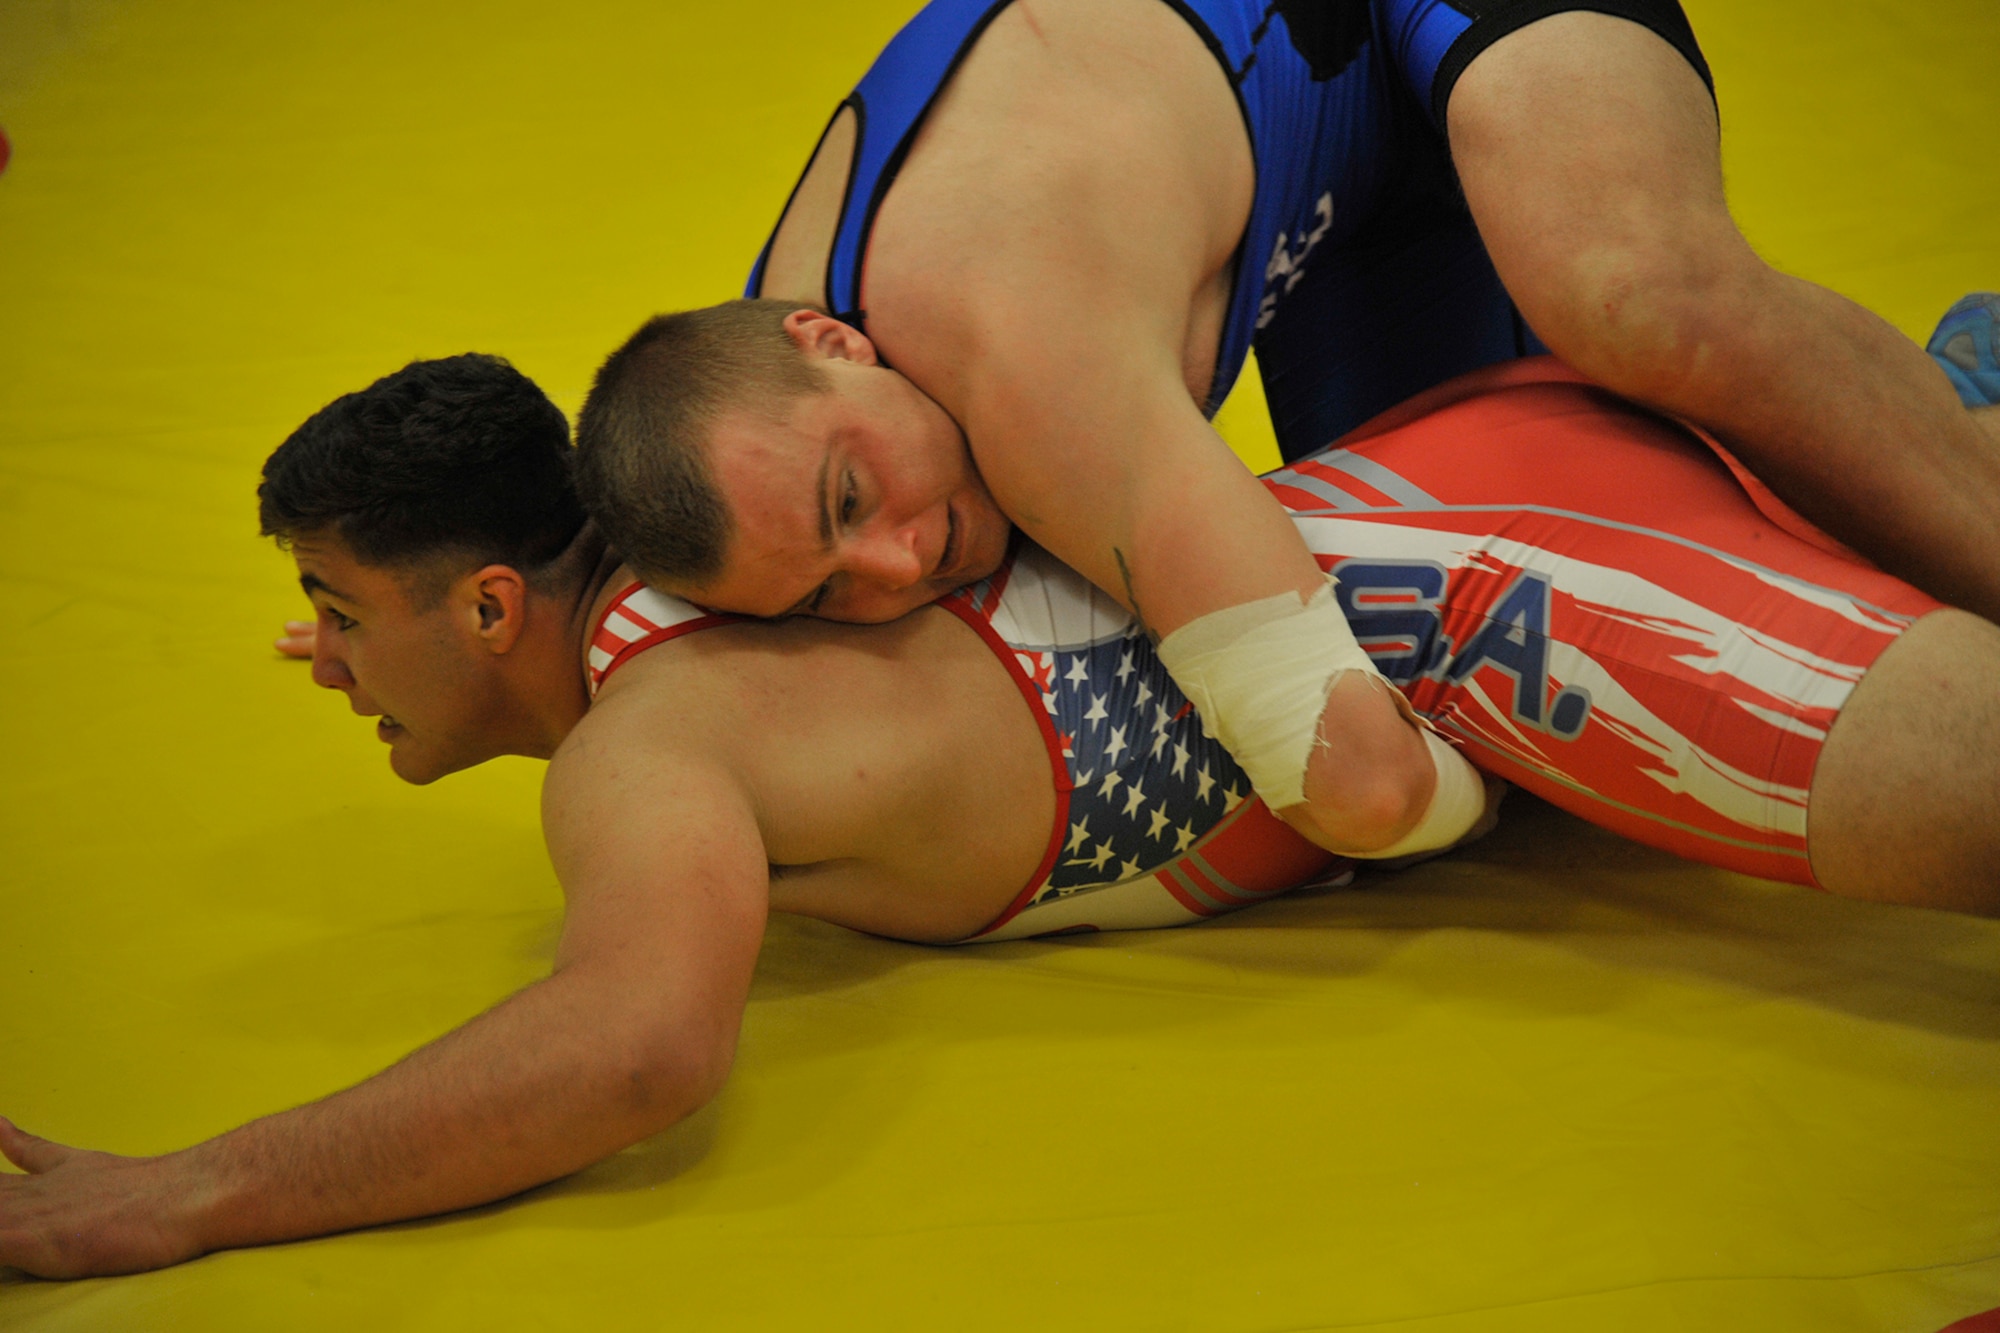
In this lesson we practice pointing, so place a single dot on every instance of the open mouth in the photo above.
(387, 728)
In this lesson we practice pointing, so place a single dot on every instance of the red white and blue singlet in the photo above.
(1594, 603)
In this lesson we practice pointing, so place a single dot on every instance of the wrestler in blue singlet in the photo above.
(1361, 279)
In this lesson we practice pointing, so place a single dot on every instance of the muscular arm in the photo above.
(635, 1028)
(1588, 152)
(1047, 286)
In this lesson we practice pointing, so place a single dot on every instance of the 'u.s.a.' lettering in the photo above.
(1396, 609)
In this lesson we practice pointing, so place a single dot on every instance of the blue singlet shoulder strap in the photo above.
(889, 104)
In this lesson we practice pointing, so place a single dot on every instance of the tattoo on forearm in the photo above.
(1132, 597)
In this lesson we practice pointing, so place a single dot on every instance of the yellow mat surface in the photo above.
(1558, 1083)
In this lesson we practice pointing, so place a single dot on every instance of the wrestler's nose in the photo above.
(329, 670)
(889, 560)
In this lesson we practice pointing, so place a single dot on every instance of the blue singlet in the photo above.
(1361, 279)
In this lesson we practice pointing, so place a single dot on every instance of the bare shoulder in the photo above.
(1088, 156)
(895, 770)
(783, 712)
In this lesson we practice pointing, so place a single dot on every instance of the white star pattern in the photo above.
(1135, 797)
(1096, 859)
(1136, 758)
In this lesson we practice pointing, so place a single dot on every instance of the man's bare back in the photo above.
(892, 777)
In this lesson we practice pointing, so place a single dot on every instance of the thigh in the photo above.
(1584, 596)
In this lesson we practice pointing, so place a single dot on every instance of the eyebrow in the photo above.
(312, 583)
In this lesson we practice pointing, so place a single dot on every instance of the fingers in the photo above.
(31, 1154)
(298, 638)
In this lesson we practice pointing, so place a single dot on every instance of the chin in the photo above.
(416, 770)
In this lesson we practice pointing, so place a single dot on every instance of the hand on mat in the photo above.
(80, 1214)
(298, 639)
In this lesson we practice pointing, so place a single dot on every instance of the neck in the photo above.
(549, 692)
(595, 563)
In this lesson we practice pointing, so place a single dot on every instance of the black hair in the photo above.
(462, 456)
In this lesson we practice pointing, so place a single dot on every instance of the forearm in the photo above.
(1848, 421)
(1175, 526)
(549, 1081)
(1988, 421)
(1134, 491)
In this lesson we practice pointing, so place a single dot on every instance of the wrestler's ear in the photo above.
(495, 602)
(820, 334)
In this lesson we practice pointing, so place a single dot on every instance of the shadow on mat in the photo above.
(1547, 878)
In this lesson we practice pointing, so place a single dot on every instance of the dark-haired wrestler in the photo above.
(1065, 222)
(1028, 766)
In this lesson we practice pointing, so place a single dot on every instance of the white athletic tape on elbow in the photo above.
(1456, 804)
(1259, 674)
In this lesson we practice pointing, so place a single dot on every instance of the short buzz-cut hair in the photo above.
(462, 458)
(642, 463)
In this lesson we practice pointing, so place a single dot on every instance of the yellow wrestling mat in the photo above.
(1558, 1083)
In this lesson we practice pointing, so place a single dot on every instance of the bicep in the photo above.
(662, 866)
(1587, 149)
(1045, 301)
